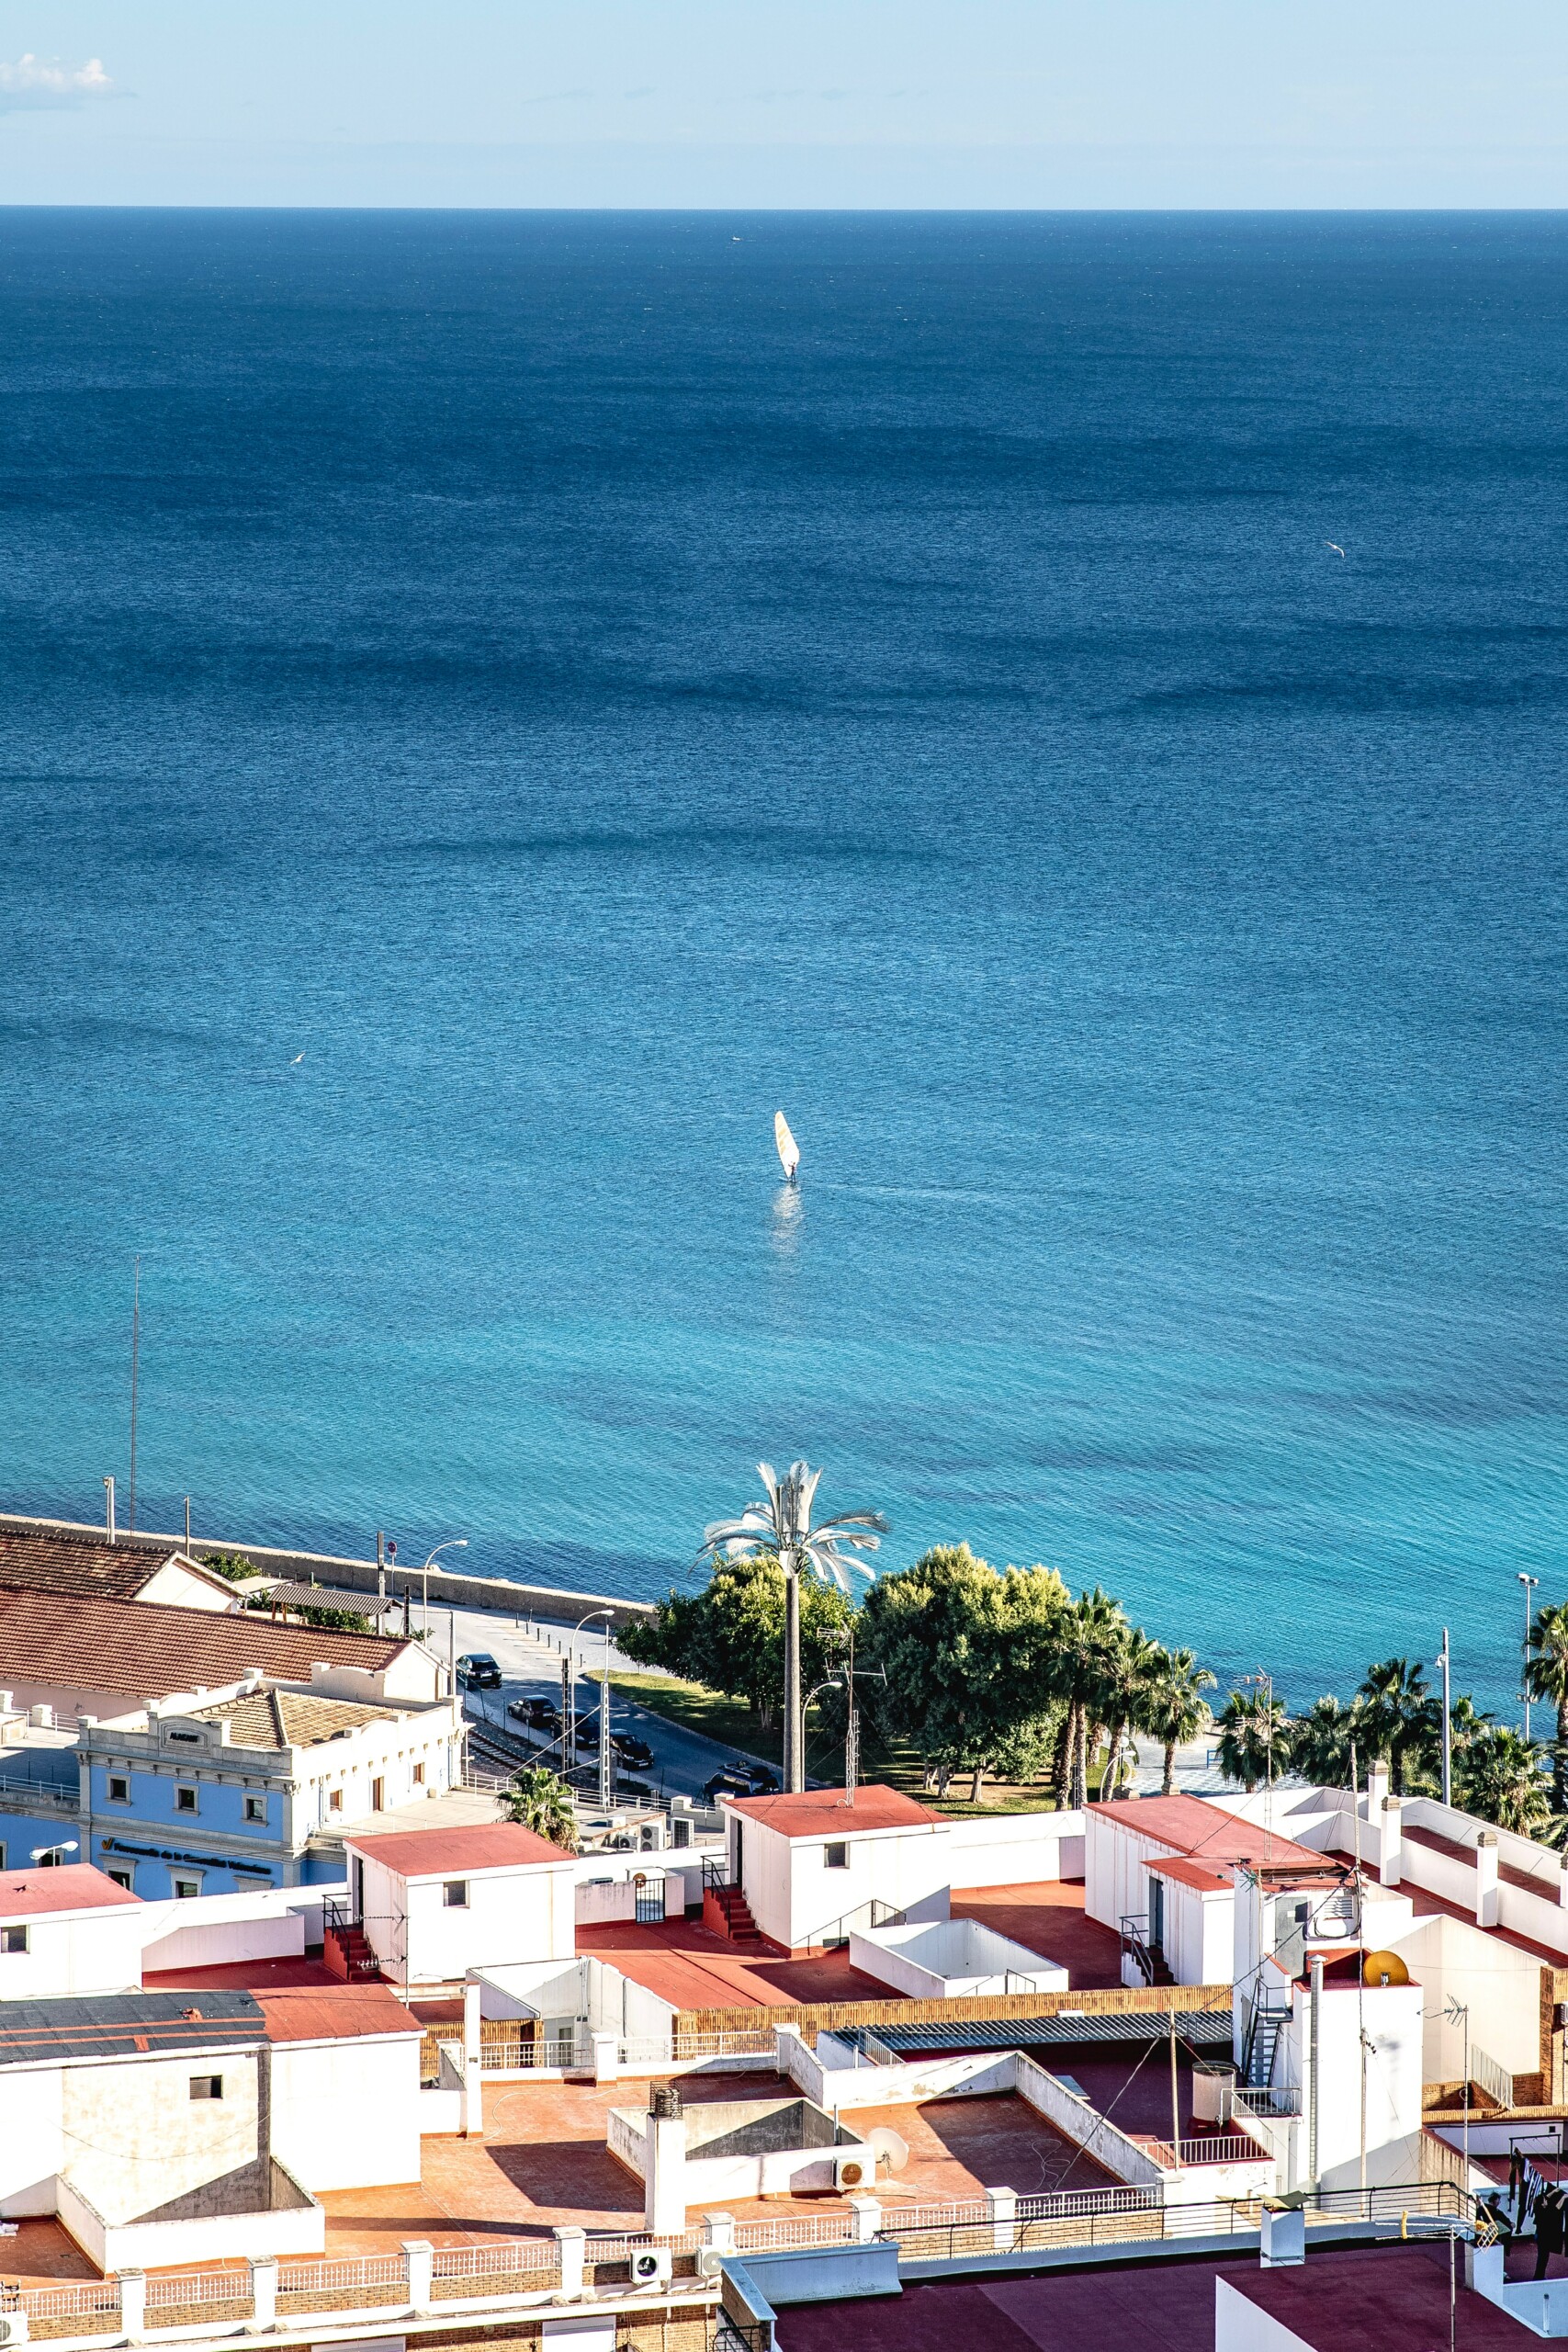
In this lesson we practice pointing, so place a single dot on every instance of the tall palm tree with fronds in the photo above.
(1255, 1738)
(536, 1800)
(1546, 1675)
(1130, 1668)
(781, 1523)
(1081, 1673)
(1173, 1708)
(1404, 1720)
(1327, 1738)
(1502, 1776)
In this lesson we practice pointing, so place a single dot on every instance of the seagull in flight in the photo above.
(1335, 546)
(298, 1058)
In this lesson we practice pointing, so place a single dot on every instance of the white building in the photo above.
(812, 1867)
(434, 1903)
(70, 1930)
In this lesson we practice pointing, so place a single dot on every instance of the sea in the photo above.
(1069, 708)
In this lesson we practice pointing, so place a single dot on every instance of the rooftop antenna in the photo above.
(135, 1350)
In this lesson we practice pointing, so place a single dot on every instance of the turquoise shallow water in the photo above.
(586, 681)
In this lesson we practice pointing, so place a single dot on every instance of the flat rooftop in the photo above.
(1388, 2299)
(687, 1963)
(543, 2164)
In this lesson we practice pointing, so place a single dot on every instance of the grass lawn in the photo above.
(732, 1723)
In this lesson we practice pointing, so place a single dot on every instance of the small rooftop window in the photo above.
(836, 1856)
(207, 2087)
(456, 1893)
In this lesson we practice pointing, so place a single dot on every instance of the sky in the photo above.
(754, 103)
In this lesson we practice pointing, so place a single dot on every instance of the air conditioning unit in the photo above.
(710, 2261)
(651, 2265)
(856, 2171)
(13, 2330)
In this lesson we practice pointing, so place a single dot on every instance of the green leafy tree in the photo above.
(1173, 1708)
(965, 1650)
(538, 1801)
(1504, 1777)
(1255, 1738)
(1403, 1722)
(236, 1568)
(1546, 1675)
(730, 1635)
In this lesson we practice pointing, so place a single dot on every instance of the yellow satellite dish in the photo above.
(1384, 1968)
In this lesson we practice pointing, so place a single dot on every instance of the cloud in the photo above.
(44, 82)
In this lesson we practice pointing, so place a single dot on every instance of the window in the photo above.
(207, 2087)
(377, 1794)
(120, 1788)
(186, 1889)
(13, 1940)
(455, 1895)
(419, 1776)
(835, 1858)
(334, 1801)
(121, 1878)
(185, 1800)
(256, 1808)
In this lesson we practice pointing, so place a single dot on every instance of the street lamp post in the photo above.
(1530, 1584)
(1444, 1661)
(48, 1857)
(452, 1543)
(606, 1760)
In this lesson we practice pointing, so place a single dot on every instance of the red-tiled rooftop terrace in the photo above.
(687, 1963)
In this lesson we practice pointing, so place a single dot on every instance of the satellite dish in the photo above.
(891, 2151)
(1384, 1968)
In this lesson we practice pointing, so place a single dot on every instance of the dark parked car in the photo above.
(727, 1784)
(477, 1670)
(539, 1714)
(632, 1751)
(761, 1781)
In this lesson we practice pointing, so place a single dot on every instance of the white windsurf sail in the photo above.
(789, 1150)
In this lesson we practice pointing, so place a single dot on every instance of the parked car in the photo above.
(762, 1780)
(538, 1714)
(633, 1751)
(727, 1784)
(477, 1670)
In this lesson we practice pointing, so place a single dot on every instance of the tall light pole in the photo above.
(1444, 1661)
(452, 1543)
(605, 1773)
(1530, 1584)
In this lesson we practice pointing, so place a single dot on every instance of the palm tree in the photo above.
(536, 1800)
(1082, 1668)
(1255, 1738)
(1403, 1721)
(1327, 1740)
(1174, 1709)
(1503, 1776)
(781, 1523)
(1130, 1664)
(1546, 1677)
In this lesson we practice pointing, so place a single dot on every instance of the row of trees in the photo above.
(1005, 1671)
(980, 1670)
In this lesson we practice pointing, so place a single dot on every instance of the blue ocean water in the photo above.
(585, 682)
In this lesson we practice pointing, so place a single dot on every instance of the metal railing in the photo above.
(38, 1796)
(1135, 1946)
(1267, 2099)
(1212, 2148)
(1489, 2076)
(177, 2289)
(870, 1913)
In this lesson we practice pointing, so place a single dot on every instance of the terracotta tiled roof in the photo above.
(433, 1853)
(824, 1812)
(311, 2013)
(76, 1886)
(290, 1718)
(84, 1563)
(72, 1642)
(1187, 1873)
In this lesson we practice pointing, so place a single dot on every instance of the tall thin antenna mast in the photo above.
(135, 1351)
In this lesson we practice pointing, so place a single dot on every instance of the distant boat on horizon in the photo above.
(789, 1150)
